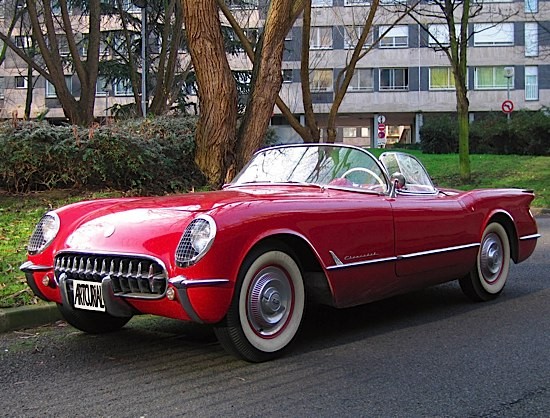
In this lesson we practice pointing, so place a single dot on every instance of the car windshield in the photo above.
(322, 165)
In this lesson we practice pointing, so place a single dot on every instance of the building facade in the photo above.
(404, 76)
(401, 79)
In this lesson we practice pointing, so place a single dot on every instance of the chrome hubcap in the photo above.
(491, 258)
(269, 301)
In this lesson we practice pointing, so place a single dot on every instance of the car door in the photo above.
(435, 236)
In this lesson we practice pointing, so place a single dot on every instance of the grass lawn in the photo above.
(19, 214)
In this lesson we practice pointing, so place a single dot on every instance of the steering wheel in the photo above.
(364, 170)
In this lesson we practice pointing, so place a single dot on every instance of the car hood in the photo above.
(149, 224)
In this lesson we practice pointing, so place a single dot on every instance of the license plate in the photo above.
(87, 295)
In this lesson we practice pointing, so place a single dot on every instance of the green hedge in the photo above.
(526, 133)
(144, 155)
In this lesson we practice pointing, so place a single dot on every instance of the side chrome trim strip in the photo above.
(534, 236)
(361, 263)
(399, 257)
(438, 251)
(182, 282)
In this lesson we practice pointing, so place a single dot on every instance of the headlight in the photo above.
(44, 233)
(196, 240)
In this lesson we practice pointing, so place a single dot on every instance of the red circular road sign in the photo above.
(507, 106)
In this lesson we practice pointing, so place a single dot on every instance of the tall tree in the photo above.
(217, 126)
(266, 76)
(46, 26)
(220, 150)
(455, 15)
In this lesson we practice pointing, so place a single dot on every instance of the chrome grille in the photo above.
(130, 275)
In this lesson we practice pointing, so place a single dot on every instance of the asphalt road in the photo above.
(431, 353)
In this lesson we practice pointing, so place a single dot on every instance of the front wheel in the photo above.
(487, 279)
(267, 308)
(92, 322)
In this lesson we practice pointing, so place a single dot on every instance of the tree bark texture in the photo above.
(266, 77)
(216, 129)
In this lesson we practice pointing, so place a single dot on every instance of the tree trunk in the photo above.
(311, 122)
(168, 59)
(216, 129)
(266, 77)
(80, 112)
(344, 77)
(463, 135)
(28, 98)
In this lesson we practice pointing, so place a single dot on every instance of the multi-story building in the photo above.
(401, 79)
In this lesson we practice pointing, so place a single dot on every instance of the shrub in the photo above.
(145, 155)
(526, 133)
(439, 135)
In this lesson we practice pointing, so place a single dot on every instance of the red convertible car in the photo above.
(325, 223)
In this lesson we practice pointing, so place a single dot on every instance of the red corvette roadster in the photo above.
(324, 223)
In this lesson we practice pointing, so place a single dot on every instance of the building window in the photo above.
(531, 83)
(320, 80)
(441, 78)
(21, 82)
(63, 45)
(287, 75)
(321, 3)
(531, 39)
(56, 8)
(356, 2)
(531, 6)
(320, 37)
(396, 37)
(394, 79)
(50, 88)
(102, 87)
(439, 34)
(23, 41)
(123, 88)
(104, 50)
(242, 4)
(352, 35)
(130, 7)
(362, 80)
(490, 34)
(349, 132)
(486, 78)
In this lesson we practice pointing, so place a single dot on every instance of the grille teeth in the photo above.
(130, 275)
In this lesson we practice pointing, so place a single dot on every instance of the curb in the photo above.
(540, 211)
(12, 319)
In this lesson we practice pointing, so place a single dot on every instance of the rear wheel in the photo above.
(92, 322)
(267, 308)
(487, 279)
